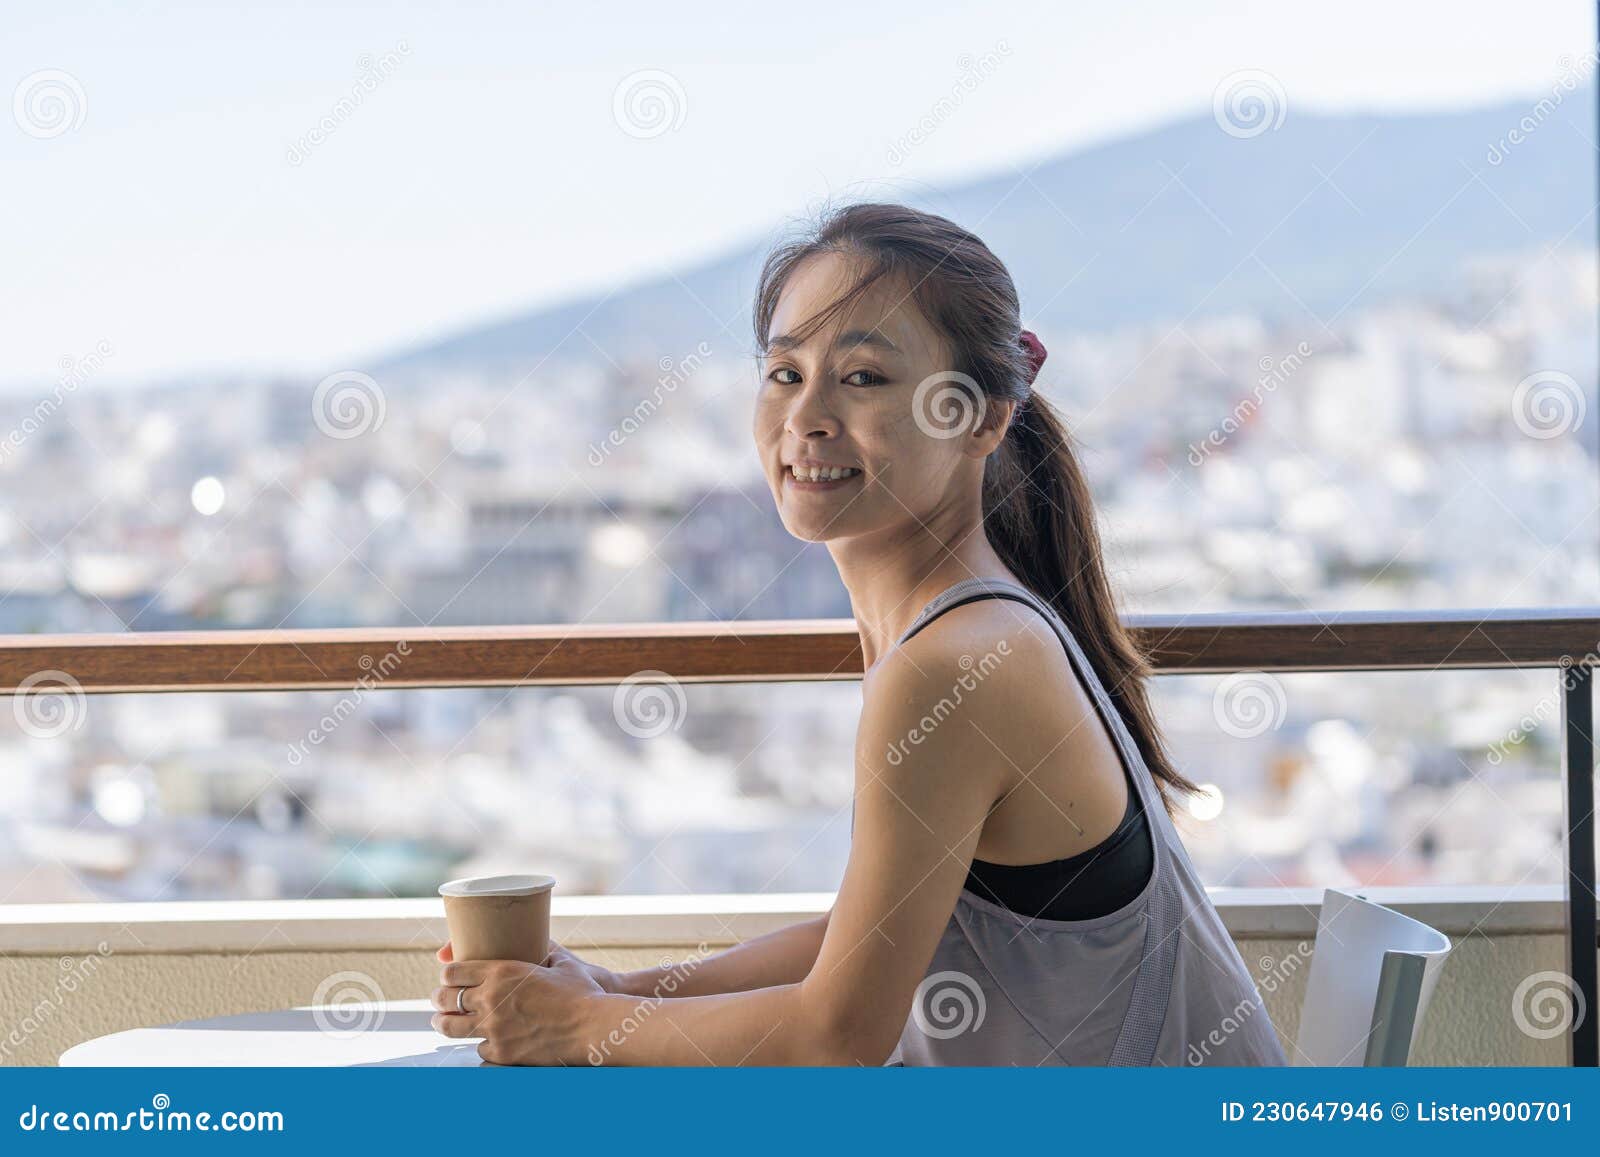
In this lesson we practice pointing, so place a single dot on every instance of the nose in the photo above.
(810, 414)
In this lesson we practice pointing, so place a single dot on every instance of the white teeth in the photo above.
(822, 473)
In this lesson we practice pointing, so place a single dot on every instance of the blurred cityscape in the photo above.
(1427, 452)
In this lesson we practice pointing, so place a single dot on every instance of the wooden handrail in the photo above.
(751, 651)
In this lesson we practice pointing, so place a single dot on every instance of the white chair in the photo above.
(1372, 975)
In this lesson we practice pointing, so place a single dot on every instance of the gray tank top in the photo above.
(1157, 982)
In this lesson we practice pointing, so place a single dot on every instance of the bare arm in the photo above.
(917, 825)
(781, 957)
(918, 819)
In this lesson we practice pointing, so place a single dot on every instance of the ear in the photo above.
(986, 437)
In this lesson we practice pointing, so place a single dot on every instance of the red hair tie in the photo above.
(1035, 351)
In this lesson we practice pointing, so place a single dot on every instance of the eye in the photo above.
(872, 378)
(784, 381)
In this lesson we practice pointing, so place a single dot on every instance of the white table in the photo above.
(371, 1033)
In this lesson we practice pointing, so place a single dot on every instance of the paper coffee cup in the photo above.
(499, 917)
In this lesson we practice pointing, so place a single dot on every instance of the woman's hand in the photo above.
(527, 1014)
(604, 977)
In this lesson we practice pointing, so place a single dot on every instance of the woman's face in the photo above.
(847, 402)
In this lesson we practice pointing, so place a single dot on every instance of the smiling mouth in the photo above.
(821, 474)
(820, 477)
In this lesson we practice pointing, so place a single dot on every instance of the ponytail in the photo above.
(1038, 512)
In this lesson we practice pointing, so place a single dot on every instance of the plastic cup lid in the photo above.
(497, 886)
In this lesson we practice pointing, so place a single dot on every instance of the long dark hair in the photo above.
(1038, 510)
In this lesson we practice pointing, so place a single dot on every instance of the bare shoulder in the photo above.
(998, 640)
(987, 674)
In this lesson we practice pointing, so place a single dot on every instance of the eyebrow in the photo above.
(850, 339)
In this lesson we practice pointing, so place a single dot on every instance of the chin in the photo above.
(808, 527)
(808, 533)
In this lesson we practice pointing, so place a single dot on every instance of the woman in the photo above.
(1015, 892)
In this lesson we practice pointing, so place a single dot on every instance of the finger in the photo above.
(464, 973)
(456, 1026)
(444, 953)
(444, 999)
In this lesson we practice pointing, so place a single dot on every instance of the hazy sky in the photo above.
(488, 170)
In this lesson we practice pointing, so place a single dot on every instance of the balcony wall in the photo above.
(72, 972)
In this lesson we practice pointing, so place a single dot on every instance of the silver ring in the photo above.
(460, 992)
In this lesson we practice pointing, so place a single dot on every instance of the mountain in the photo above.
(1321, 214)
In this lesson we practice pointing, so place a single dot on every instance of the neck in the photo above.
(893, 574)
